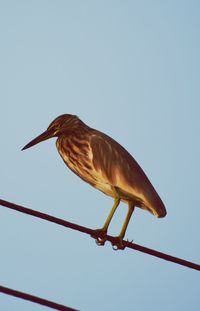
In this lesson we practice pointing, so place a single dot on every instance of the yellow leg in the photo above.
(110, 216)
(101, 233)
(117, 243)
(127, 219)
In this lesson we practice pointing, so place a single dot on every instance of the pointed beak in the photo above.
(44, 136)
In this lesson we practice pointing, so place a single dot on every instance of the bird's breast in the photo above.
(78, 157)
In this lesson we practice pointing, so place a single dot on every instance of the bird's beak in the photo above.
(45, 135)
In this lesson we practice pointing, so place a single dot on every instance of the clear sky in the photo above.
(130, 69)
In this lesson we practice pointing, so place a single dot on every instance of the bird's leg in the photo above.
(110, 216)
(101, 233)
(117, 243)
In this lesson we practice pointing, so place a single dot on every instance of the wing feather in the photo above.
(121, 170)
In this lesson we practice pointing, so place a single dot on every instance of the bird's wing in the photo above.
(121, 170)
(115, 163)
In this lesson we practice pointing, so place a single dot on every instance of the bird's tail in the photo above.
(154, 204)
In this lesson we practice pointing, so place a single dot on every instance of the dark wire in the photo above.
(93, 234)
(34, 299)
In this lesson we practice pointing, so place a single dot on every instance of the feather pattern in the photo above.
(118, 168)
(103, 163)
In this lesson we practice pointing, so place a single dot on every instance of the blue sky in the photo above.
(130, 69)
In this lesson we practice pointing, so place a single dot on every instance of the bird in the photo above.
(106, 165)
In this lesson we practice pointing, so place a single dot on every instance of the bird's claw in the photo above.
(117, 243)
(130, 241)
(100, 242)
(100, 236)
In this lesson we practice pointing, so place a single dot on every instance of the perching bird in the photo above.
(106, 165)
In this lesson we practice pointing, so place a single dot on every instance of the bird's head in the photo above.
(61, 125)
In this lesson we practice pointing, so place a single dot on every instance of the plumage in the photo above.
(103, 163)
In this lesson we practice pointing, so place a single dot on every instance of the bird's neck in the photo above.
(79, 131)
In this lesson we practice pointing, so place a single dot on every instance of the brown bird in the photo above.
(106, 165)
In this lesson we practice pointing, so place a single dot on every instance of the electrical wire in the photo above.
(35, 299)
(93, 234)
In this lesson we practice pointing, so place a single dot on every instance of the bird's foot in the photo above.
(130, 241)
(100, 235)
(117, 243)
